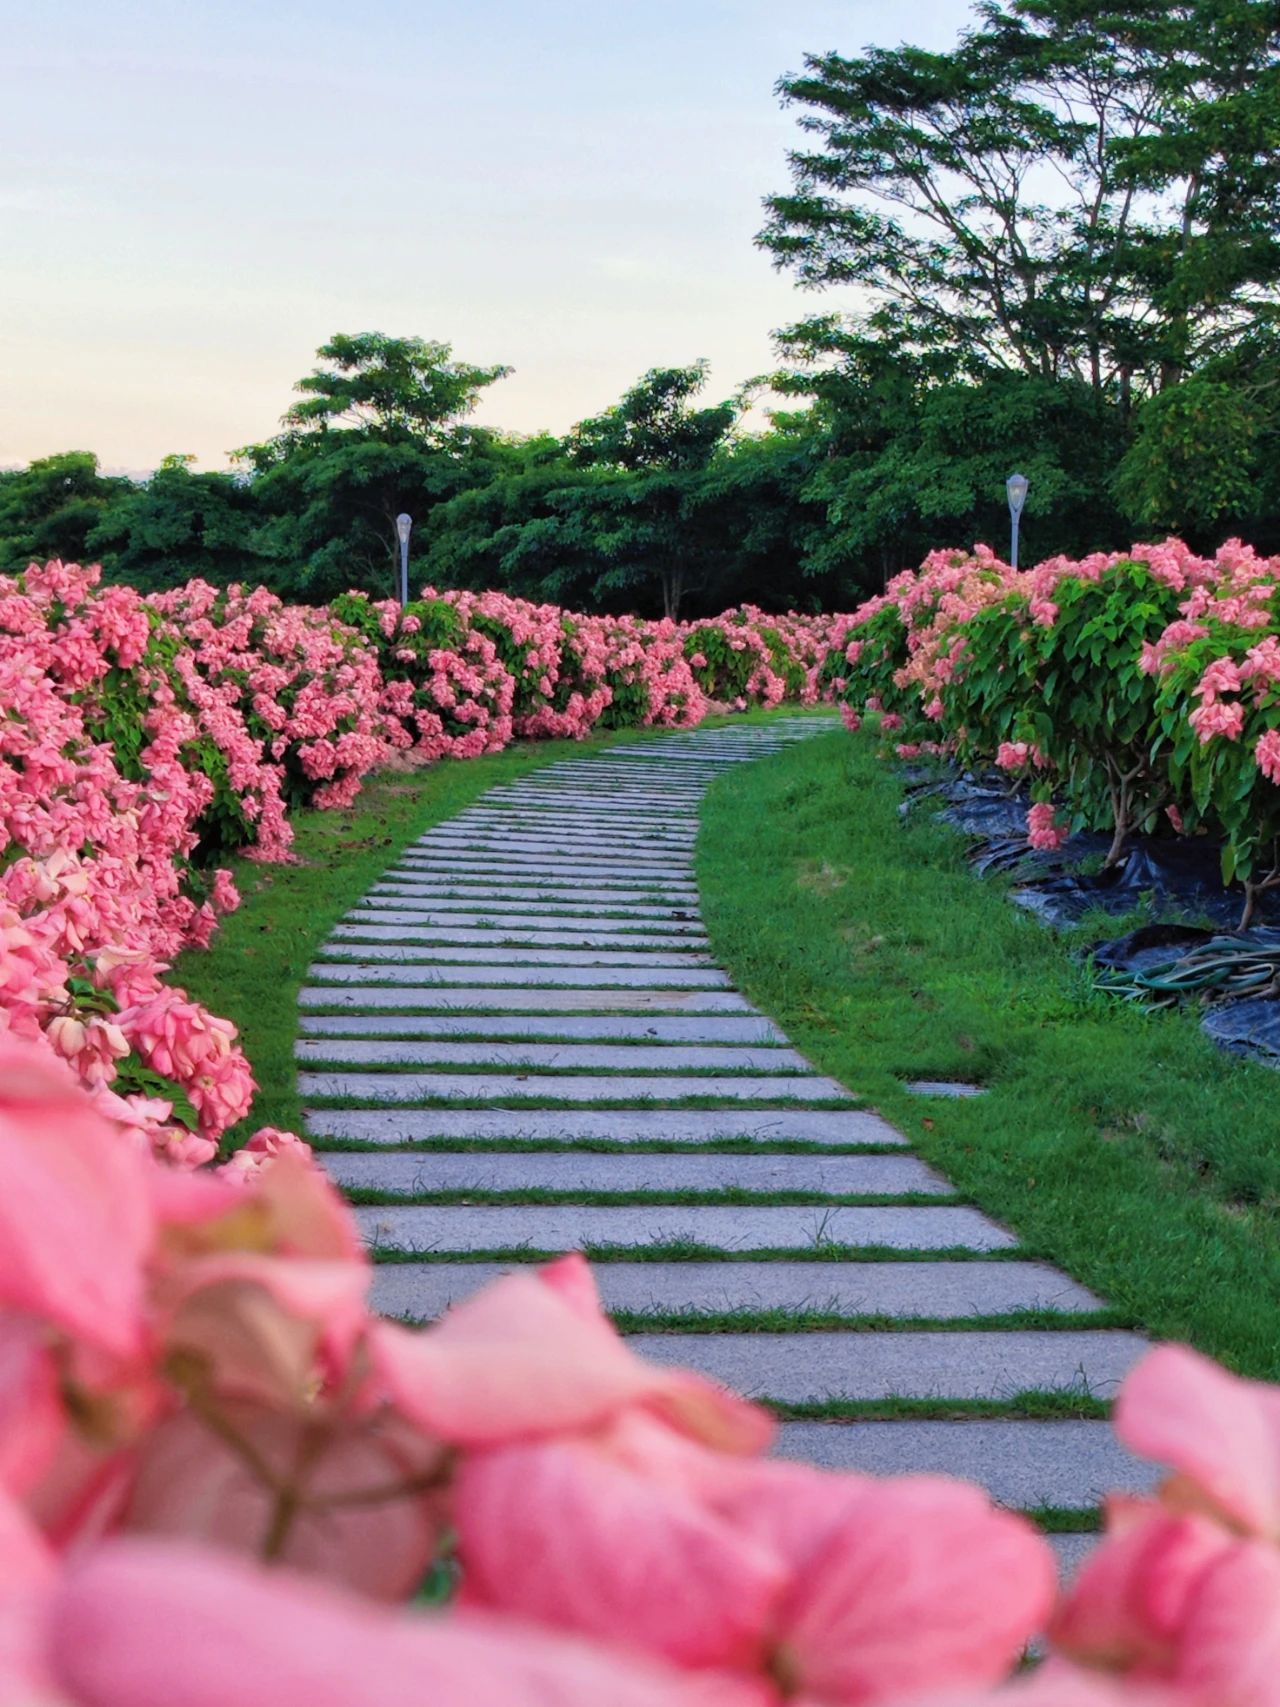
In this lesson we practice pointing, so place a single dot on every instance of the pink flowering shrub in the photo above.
(1216, 670)
(220, 1475)
(745, 654)
(1133, 689)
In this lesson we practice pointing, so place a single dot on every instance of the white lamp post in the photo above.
(404, 526)
(1016, 486)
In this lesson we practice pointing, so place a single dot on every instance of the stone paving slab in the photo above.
(513, 867)
(373, 929)
(1025, 1464)
(1071, 1551)
(545, 894)
(535, 839)
(575, 826)
(618, 1125)
(921, 1289)
(594, 977)
(551, 910)
(417, 1171)
(745, 1029)
(632, 806)
(393, 1087)
(610, 1057)
(392, 912)
(976, 1364)
(585, 823)
(520, 837)
(658, 795)
(601, 866)
(568, 1227)
(342, 946)
(616, 813)
(449, 999)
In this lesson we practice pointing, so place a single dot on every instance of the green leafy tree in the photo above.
(390, 387)
(912, 456)
(379, 431)
(52, 507)
(1204, 459)
(1073, 191)
(648, 515)
(177, 524)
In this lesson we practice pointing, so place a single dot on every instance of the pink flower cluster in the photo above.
(100, 818)
(747, 655)
(219, 1471)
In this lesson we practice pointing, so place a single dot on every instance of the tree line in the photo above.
(1055, 246)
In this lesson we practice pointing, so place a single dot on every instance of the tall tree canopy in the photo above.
(644, 513)
(1076, 191)
(391, 387)
(51, 507)
(379, 429)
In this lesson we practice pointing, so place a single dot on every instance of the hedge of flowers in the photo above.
(142, 741)
(220, 1473)
(1132, 691)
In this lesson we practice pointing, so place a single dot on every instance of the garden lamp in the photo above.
(404, 526)
(1016, 486)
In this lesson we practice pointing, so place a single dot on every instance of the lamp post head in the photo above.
(1016, 486)
(403, 525)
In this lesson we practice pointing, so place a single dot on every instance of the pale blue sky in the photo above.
(194, 196)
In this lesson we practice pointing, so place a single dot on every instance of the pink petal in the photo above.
(147, 1625)
(263, 1324)
(1221, 1433)
(27, 1577)
(516, 1361)
(1129, 1599)
(571, 1278)
(582, 1534)
(353, 1515)
(31, 1417)
(900, 1585)
(1231, 1638)
(75, 1221)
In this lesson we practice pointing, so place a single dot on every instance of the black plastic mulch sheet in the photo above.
(1249, 1027)
(1168, 960)
(1176, 879)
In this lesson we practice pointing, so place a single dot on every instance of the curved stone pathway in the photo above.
(519, 1044)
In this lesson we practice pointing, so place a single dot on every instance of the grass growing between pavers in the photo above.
(260, 956)
(689, 1250)
(1033, 1405)
(731, 1196)
(685, 1322)
(601, 1146)
(1122, 1146)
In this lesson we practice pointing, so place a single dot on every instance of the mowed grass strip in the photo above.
(603, 1146)
(737, 1196)
(1119, 1144)
(689, 1250)
(824, 1321)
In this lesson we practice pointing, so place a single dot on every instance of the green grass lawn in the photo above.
(1119, 1144)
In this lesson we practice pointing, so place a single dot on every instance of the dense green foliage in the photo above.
(1065, 236)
